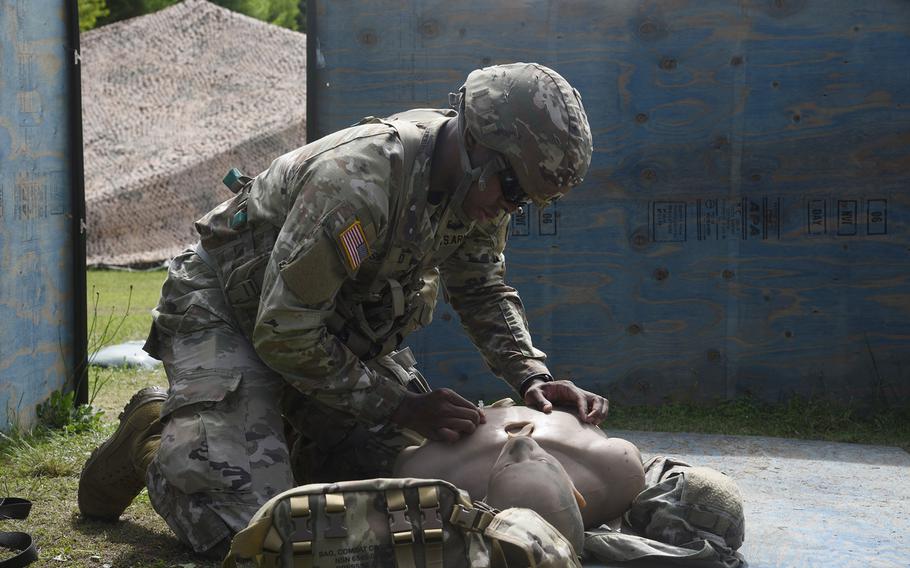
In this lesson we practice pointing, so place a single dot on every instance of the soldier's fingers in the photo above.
(581, 401)
(459, 425)
(462, 412)
(536, 399)
(605, 408)
(591, 407)
(458, 400)
(598, 410)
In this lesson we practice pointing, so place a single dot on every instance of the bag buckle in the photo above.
(302, 539)
(470, 518)
(429, 514)
(334, 514)
(399, 524)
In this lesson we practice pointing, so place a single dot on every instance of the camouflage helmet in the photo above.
(683, 503)
(534, 118)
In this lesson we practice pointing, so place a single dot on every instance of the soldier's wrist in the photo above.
(532, 380)
(403, 411)
(387, 397)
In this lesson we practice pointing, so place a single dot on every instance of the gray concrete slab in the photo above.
(807, 503)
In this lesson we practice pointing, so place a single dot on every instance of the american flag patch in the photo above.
(354, 244)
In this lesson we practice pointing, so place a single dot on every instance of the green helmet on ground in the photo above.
(533, 117)
(683, 504)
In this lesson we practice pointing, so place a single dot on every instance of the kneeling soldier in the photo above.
(311, 276)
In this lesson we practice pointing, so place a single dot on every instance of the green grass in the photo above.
(798, 418)
(120, 384)
(43, 466)
(113, 294)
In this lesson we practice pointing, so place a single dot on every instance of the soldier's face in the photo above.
(489, 203)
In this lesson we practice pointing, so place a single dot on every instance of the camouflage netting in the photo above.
(172, 101)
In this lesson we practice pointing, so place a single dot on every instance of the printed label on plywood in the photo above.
(877, 217)
(846, 217)
(668, 221)
(521, 222)
(547, 220)
(764, 218)
(817, 217)
(745, 219)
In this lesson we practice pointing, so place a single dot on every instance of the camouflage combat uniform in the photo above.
(311, 276)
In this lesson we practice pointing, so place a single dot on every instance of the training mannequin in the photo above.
(607, 472)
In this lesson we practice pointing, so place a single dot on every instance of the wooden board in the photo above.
(743, 229)
(42, 267)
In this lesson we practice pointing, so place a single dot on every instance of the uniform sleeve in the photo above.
(307, 268)
(490, 310)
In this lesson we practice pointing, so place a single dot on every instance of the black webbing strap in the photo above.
(15, 508)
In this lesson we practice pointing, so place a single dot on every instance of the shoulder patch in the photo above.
(353, 242)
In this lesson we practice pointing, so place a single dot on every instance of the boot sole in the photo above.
(125, 430)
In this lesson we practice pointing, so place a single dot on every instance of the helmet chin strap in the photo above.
(471, 174)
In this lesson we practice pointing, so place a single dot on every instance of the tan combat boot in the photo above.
(115, 472)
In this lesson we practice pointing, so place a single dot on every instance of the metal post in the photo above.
(312, 70)
(77, 200)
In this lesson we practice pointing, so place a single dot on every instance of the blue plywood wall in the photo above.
(37, 307)
(744, 226)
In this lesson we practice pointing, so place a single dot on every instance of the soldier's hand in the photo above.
(439, 415)
(592, 408)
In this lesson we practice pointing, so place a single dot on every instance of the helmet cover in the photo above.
(535, 119)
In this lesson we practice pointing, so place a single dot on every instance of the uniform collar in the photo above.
(420, 217)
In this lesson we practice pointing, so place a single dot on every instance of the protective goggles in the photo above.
(511, 188)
